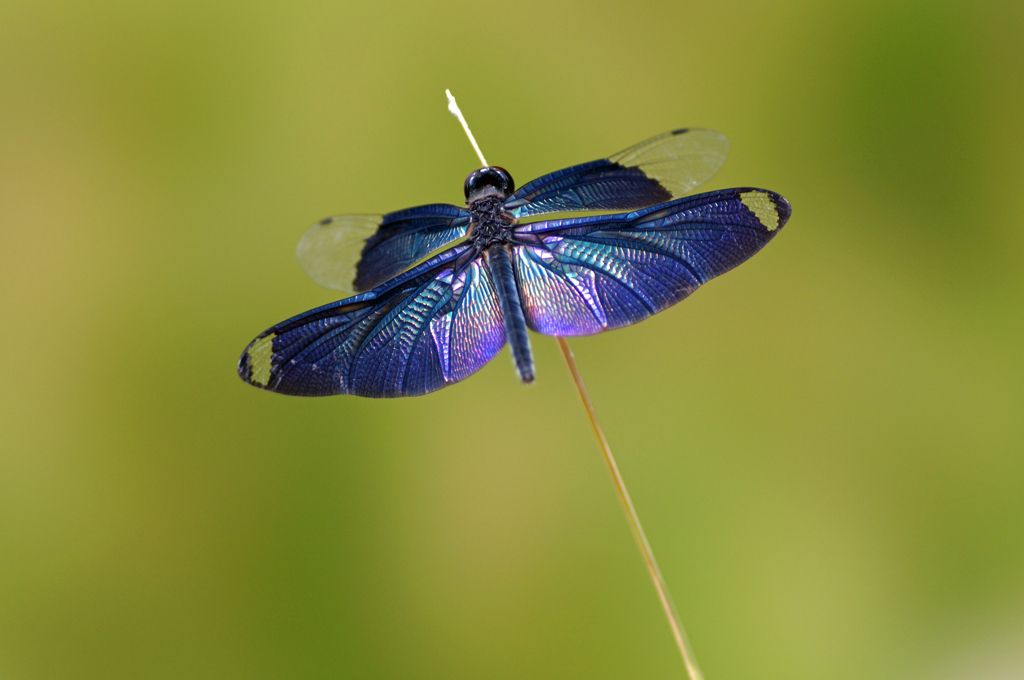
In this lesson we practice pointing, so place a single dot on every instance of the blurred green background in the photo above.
(826, 445)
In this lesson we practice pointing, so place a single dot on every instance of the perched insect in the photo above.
(420, 327)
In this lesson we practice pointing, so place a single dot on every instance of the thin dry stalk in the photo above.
(620, 486)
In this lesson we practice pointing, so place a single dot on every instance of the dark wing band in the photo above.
(586, 275)
(355, 253)
(430, 327)
(652, 172)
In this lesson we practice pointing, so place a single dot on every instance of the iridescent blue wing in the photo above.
(426, 329)
(590, 274)
(652, 172)
(355, 253)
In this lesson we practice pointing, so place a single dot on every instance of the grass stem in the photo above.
(634, 521)
(620, 487)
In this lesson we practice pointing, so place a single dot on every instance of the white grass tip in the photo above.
(453, 106)
(455, 111)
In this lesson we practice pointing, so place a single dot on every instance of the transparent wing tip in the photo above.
(330, 250)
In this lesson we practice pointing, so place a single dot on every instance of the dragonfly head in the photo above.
(492, 181)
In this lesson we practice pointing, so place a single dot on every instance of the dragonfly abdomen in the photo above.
(499, 262)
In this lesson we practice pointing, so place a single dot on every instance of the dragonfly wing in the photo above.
(586, 275)
(652, 172)
(428, 328)
(330, 250)
(358, 252)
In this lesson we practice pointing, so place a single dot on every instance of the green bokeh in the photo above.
(826, 445)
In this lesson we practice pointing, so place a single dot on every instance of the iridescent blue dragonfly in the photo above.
(417, 325)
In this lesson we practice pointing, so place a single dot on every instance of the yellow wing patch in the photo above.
(763, 208)
(260, 354)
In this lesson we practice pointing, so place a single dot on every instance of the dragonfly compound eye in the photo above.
(492, 180)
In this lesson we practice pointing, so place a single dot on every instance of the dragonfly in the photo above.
(438, 290)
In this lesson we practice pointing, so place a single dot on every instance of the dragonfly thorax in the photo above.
(489, 222)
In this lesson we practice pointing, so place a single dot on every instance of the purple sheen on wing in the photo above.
(581, 288)
(478, 329)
